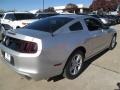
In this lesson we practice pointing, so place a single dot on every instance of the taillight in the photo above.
(23, 23)
(28, 47)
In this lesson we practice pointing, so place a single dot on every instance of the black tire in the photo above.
(68, 68)
(2, 30)
(17, 27)
(113, 43)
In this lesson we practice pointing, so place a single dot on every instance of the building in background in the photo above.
(62, 9)
(81, 9)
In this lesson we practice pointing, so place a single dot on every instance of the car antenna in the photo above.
(51, 31)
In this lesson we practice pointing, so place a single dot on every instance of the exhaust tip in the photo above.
(27, 77)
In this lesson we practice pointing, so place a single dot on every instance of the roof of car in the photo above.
(15, 12)
(71, 16)
(47, 13)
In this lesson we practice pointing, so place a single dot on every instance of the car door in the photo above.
(97, 37)
(8, 19)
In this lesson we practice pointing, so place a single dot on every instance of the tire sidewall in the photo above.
(112, 47)
(1, 32)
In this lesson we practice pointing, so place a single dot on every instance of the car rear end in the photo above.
(22, 53)
(30, 50)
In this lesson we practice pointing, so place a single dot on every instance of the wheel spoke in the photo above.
(75, 71)
(71, 68)
(73, 60)
(79, 67)
(78, 58)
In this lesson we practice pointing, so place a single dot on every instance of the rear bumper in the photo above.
(37, 67)
(24, 73)
(27, 69)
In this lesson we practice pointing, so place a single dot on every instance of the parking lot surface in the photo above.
(101, 73)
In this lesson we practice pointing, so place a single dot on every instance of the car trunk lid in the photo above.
(30, 39)
(27, 34)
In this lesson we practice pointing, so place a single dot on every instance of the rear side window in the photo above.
(76, 26)
(93, 24)
(50, 24)
(10, 17)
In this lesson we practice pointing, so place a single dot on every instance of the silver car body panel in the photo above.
(55, 50)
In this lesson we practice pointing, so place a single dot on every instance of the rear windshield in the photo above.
(24, 16)
(49, 24)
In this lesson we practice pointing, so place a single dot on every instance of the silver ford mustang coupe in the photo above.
(56, 45)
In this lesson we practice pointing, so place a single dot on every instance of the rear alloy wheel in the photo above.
(74, 66)
(113, 43)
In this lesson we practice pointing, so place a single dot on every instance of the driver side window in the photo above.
(93, 24)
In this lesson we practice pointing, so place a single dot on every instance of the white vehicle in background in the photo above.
(103, 18)
(17, 19)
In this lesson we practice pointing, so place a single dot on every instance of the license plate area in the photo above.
(8, 57)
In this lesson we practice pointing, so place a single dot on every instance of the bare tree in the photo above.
(39, 11)
(71, 8)
(50, 10)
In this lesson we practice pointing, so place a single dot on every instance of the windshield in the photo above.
(24, 16)
(50, 24)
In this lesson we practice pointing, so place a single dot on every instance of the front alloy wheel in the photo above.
(113, 42)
